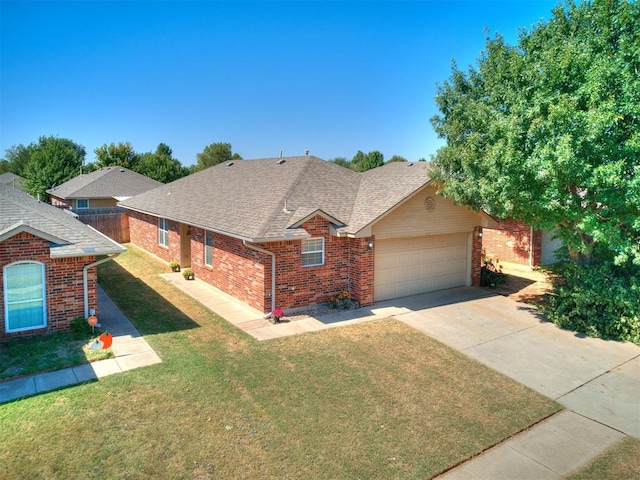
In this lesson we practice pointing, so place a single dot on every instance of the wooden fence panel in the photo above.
(113, 222)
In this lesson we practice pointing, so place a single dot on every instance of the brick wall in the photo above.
(65, 295)
(143, 232)
(476, 255)
(246, 274)
(511, 241)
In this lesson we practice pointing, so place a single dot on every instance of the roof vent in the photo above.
(409, 164)
(229, 164)
(306, 152)
(281, 161)
(122, 170)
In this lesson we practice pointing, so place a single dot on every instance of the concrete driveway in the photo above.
(595, 378)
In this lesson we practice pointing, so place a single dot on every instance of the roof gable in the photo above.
(69, 237)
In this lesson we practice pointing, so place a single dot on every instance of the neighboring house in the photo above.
(100, 189)
(516, 242)
(291, 232)
(11, 180)
(47, 263)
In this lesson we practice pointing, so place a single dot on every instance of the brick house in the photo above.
(292, 232)
(514, 241)
(48, 265)
(101, 188)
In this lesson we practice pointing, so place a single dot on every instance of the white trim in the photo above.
(321, 251)
(6, 299)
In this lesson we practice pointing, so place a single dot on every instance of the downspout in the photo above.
(273, 270)
(85, 281)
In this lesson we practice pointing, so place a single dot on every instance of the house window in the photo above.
(208, 248)
(25, 306)
(82, 203)
(313, 252)
(163, 232)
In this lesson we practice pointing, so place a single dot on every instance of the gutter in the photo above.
(531, 248)
(85, 280)
(273, 270)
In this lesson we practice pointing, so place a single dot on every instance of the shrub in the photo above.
(175, 266)
(491, 273)
(188, 274)
(600, 300)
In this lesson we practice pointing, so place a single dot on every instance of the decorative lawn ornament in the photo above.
(103, 342)
(93, 321)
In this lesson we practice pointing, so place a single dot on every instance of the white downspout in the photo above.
(273, 270)
(85, 281)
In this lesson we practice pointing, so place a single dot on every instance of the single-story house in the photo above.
(291, 232)
(12, 180)
(48, 265)
(101, 188)
(514, 241)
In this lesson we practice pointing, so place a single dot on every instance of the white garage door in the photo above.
(415, 265)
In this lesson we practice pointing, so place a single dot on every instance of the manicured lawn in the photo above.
(374, 400)
(620, 462)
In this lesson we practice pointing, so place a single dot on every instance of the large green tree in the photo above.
(161, 165)
(548, 130)
(52, 161)
(121, 155)
(214, 154)
(15, 159)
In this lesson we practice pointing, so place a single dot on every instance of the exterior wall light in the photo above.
(369, 244)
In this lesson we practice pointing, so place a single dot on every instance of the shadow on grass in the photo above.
(133, 296)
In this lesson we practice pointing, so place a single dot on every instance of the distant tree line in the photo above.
(52, 161)
(361, 162)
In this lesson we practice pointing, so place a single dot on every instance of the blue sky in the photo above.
(332, 77)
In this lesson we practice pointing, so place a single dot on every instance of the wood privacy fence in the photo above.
(112, 221)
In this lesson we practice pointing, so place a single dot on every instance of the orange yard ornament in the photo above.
(107, 339)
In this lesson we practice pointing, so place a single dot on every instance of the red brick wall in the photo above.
(511, 241)
(143, 232)
(361, 268)
(476, 255)
(65, 296)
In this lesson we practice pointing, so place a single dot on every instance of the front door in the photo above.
(185, 246)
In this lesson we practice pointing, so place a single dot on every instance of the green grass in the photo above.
(620, 462)
(24, 356)
(374, 400)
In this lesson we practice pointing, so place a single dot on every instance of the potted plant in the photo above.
(275, 315)
(174, 266)
(187, 273)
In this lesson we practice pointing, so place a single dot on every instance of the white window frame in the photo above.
(78, 207)
(163, 232)
(7, 303)
(208, 249)
(309, 248)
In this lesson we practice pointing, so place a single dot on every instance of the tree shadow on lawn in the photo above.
(133, 296)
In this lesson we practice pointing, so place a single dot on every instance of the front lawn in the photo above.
(375, 400)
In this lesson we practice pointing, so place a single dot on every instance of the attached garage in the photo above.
(409, 266)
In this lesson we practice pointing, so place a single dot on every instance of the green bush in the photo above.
(600, 300)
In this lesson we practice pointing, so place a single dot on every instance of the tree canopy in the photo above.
(161, 166)
(548, 131)
(52, 161)
(121, 155)
(214, 154)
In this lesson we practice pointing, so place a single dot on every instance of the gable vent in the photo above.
(281, 161)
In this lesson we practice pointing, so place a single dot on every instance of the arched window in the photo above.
(25, 306)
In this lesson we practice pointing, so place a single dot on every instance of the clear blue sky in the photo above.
(332, 77)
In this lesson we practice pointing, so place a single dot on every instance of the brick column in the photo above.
(476, 256)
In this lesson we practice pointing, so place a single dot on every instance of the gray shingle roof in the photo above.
(264, 199)
(70, 238)
(8, 178)
(108, 182)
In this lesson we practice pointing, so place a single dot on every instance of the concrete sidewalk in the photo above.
(129, 348)
(597, 381)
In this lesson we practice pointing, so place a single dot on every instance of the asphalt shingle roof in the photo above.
(108, 182)
(69, 237)
(265, 199)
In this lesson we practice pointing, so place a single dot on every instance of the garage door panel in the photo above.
(422, 264)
